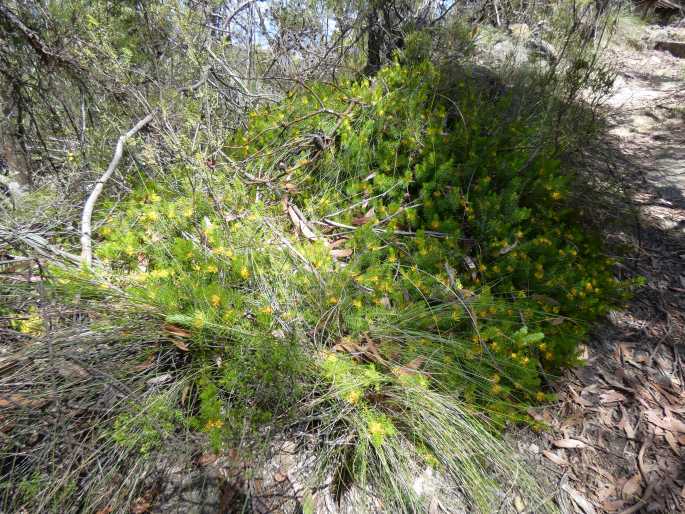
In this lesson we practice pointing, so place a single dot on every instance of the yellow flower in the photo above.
(140, 277)
(556, 195)
(129, 250)
(357, 303)
(377, 429)
(333, 300)
(215, 300)
(244, 272)
(353, 397)
(151, 216)
(540, 396)
(214, 423)
(154, 198)
(188, 212)
(211, 268)
(105, 231)
(222, 250)
(199, 319)
(267, 310)
(33, 324)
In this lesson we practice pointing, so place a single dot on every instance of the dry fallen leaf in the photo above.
(140, 506)
(160, 379)
(363, 220)
(300, 222)
(613, 505)
(207, 458)
(611, 396)
(580, 500)
(345, 344)
(146, 364)
(557, 459)
(518, 504)
(180, 345)
(176, 330)
(569, 443)
(337, 242)
(665, 422)
(625, 425)
(578, 399)
(672, 442)
(632, 487)
(18, 400)
(279, 476)
(508, 248)
(341, 253)
(411, 368)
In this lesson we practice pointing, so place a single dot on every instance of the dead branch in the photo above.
(38, 45)
(86, 240)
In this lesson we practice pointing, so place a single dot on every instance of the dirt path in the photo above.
(618, 440)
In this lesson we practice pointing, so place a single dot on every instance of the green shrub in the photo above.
(437, 256)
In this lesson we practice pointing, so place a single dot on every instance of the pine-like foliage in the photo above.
(390, 263)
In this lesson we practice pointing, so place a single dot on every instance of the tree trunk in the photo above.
(374, 43)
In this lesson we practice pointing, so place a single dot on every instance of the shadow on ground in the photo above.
(626, 405)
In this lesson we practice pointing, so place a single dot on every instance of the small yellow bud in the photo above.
(353, 397)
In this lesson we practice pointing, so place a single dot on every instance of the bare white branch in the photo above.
(86, 239)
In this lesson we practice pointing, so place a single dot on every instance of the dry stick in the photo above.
(86, 241)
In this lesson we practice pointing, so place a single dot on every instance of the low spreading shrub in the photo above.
(390, 263)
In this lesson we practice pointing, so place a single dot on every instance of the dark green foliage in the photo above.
(465, 257)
